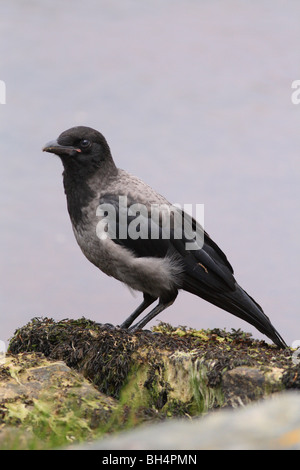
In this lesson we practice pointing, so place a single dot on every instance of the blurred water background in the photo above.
(194, 97)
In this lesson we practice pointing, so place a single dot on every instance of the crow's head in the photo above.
(81, 147)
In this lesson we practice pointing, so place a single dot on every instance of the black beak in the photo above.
(55, 147)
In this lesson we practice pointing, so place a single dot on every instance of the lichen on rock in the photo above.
(147, 376)
(49, 400)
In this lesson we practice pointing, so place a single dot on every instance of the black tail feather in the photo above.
(246, 308)
(240, 304)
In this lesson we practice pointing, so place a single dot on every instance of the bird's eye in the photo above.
(85, 144)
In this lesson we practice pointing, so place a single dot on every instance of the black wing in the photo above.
(147, 233)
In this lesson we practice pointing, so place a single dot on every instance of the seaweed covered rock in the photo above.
(167, 372)
(78, 380)
(49, 401)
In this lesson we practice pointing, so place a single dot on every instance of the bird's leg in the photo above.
(162, 305)
(148, 300)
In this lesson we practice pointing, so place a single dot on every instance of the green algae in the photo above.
(149, 376)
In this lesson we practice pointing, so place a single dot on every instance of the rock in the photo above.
(270, 424)
(243, 385)
(170, 371)
(37, 393)
(131, 379)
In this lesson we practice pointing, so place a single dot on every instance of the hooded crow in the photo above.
(121, 227)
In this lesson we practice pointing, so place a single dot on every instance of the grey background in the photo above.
(194, 97)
